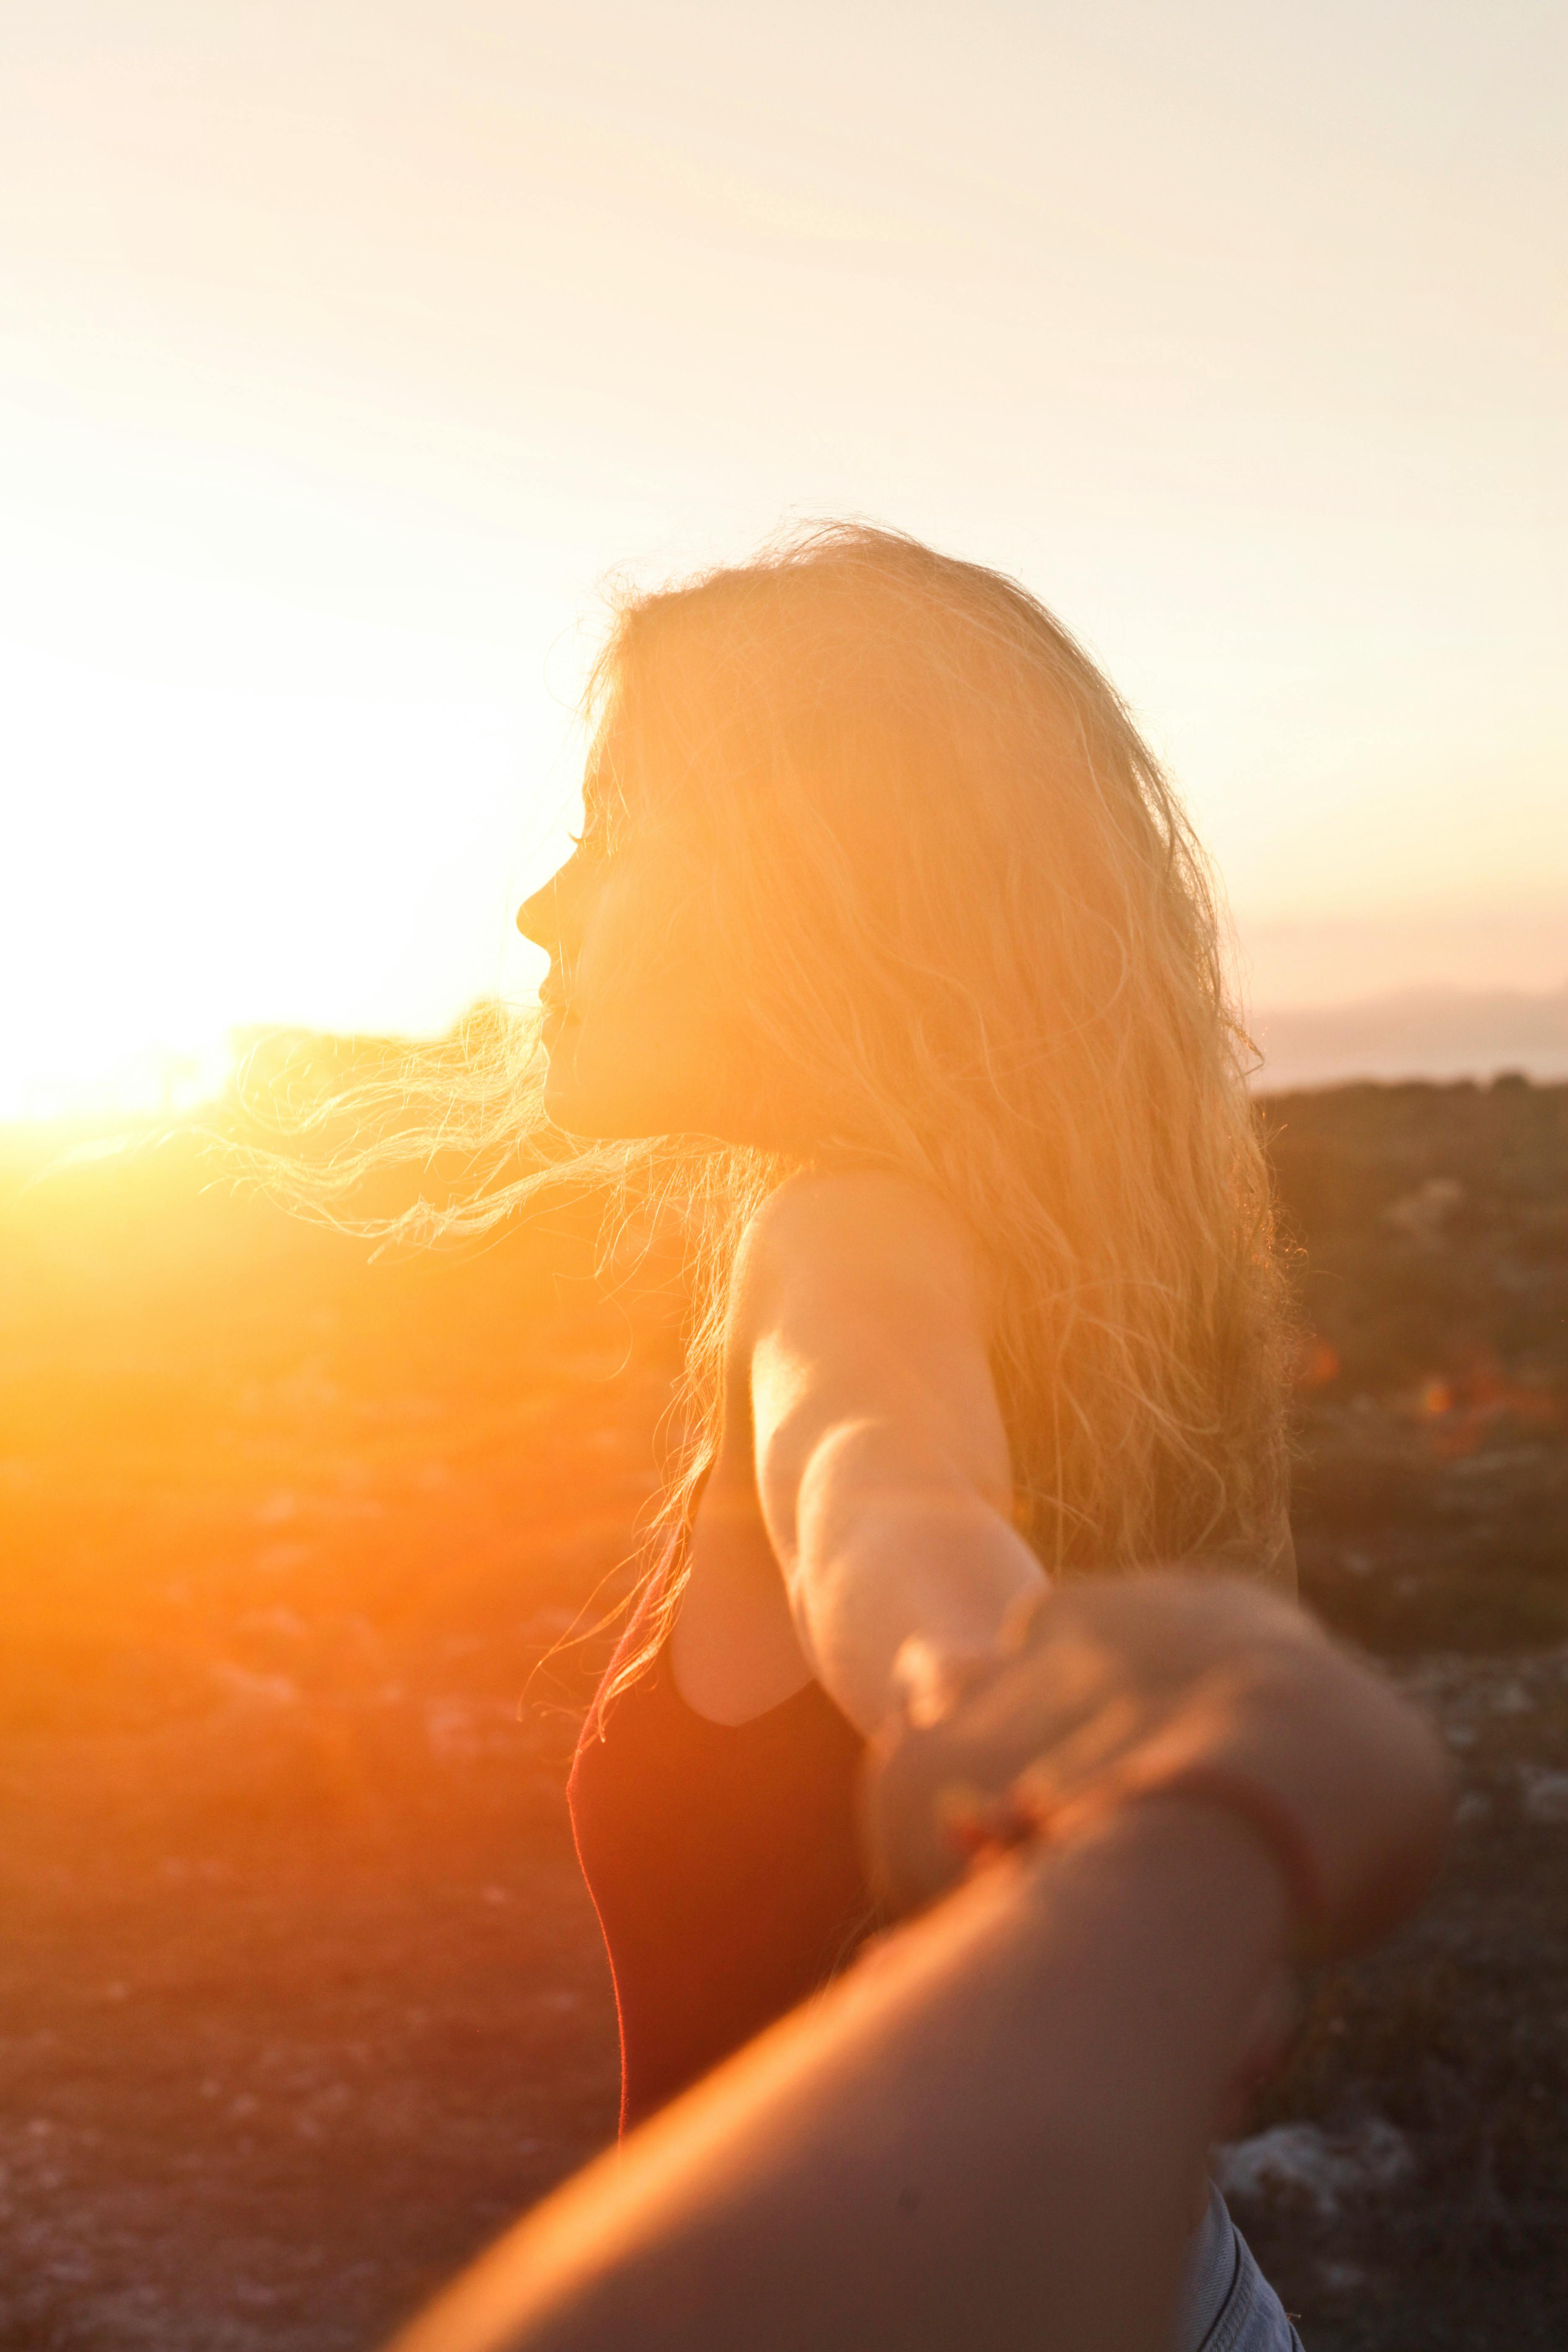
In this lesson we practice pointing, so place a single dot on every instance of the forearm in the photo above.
(886, 1552)
(988, 2133)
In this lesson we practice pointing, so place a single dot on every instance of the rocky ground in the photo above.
(301, 1998)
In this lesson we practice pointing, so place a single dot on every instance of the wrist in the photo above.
(1178, 1851)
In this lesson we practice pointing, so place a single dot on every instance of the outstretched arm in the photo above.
(882, 1465)
(987, 2133)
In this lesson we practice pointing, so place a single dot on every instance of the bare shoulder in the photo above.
(859, 1237)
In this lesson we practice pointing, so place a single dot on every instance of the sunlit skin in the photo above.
(635, 1021)
(856, 1526)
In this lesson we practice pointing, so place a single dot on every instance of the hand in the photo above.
(1116, 1689)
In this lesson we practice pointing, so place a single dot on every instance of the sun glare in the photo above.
(83, 1075)
(314, 450)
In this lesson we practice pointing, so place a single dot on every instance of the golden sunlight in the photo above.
(472, 1486)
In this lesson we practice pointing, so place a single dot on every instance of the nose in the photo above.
(536, 917)
(546, 917)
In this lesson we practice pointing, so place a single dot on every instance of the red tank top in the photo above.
(725, 1867)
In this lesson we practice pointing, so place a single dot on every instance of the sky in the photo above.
(348, 351)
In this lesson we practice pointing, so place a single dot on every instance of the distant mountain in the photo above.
(1417, 1033)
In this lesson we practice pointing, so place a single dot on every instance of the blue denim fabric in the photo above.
(1228, 2304)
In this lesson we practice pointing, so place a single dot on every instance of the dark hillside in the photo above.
(1432, 1524)
(1432, 1227)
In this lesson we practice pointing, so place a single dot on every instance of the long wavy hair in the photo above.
(956, 891)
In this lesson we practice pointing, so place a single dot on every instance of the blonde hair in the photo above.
(958, 893)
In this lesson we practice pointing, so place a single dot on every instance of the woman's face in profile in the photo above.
(638, 1024)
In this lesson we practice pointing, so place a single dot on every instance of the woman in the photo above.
(986, 2134)
(883, 906)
